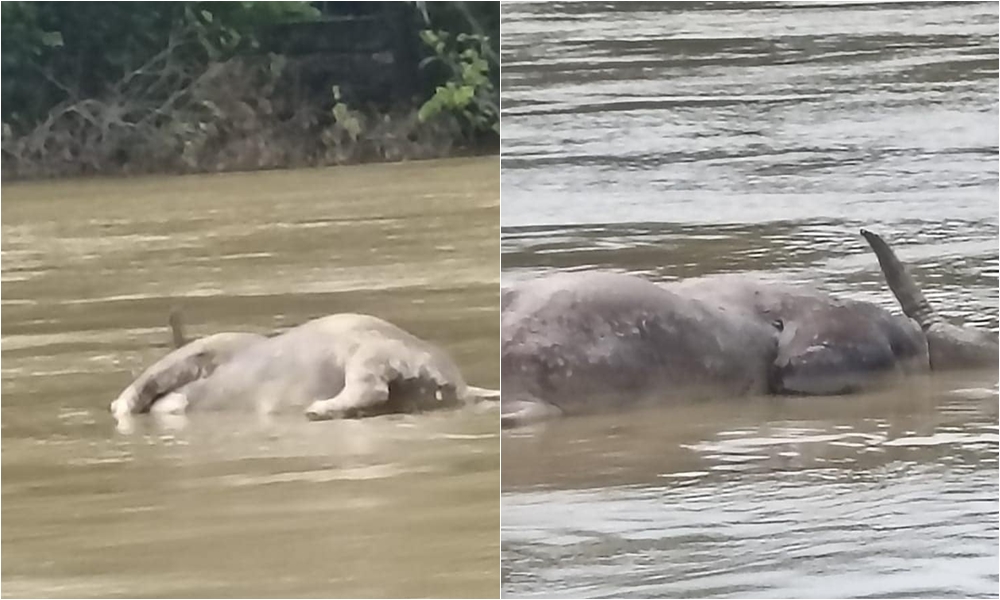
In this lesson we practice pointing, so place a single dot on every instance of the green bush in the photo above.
(468, 93)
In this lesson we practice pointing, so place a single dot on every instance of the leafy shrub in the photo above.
(469, 92)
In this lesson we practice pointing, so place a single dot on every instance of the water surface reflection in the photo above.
(393, 506)
(681, 140)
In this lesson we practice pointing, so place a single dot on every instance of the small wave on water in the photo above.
(688, 140)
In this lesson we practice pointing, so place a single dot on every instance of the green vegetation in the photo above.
(469, 92)
(469, 64)
(120, 87)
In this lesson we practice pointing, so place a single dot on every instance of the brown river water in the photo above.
(678, 140)
(382, 507)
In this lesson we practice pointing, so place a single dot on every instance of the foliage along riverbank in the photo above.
(180, 87)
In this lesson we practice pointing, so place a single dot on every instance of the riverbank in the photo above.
(243, 90)
(232, 122)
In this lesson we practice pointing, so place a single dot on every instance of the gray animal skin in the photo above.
(586, 342)
(337, 366)
(826, 345)
(582, 342)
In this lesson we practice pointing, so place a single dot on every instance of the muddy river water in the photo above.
(390, 506)
(682, 140)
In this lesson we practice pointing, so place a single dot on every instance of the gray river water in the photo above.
(396, 506)
(688, 139)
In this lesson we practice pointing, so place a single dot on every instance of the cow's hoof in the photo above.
(320, 412)
(316, 415)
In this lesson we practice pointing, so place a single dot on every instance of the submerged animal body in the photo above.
(333, 366)
(584, 342)
(185, 365)
(337, 366)
(825, 344)
(579, 341)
